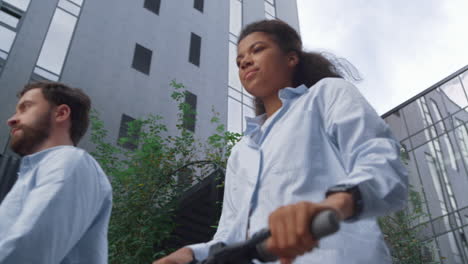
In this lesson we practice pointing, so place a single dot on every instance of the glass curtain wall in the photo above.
(240, 102)
(433, 129)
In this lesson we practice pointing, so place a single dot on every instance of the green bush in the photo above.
(148, 180)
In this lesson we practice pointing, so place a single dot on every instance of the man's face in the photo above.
(30, 125)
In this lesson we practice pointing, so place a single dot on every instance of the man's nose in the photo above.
(12, 121)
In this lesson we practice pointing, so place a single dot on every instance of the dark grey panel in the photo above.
(195, 49)
(142, 59)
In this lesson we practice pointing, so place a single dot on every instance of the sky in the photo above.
(400, 47)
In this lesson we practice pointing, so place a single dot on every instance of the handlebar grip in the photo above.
(324, 224)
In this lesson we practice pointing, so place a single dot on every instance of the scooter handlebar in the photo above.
(324, 224)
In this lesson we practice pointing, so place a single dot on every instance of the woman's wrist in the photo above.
(342, 203)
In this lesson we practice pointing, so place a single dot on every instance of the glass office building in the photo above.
(124, 54)
(432, 127)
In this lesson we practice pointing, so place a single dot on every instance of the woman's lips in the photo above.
(250, 74)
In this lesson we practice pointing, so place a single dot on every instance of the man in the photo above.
(58, 210)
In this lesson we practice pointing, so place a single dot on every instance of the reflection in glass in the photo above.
(234, 94)
(8, 19)
(68, 6)
(269, 17)
(462, 138)
(234, 116)
(232, 38)
(246, 112)
(45, 74)
(20, 4)
(56, 43)
(270, 9)
(6, 38)
(449, 251)
(233, 76)
(430, 132)
(430, 252)
(3, 55)
(78, 2)
(247, 100)
(464, 80)
(397, 124)
(454, 96)
(235, 17)
(434, 172)
(441, 124)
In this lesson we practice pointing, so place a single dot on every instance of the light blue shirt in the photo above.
(58, 210)
(320, 137)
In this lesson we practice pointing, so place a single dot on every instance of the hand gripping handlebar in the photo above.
(325, 223)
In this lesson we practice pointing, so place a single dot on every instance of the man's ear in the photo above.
(62, 113)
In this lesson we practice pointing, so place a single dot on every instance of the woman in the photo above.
(315, 144)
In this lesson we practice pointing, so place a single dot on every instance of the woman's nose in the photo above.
(246, 62)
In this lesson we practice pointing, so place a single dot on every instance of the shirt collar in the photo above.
(289, 93)
(35, 158)
(254, 123)
(285, 94)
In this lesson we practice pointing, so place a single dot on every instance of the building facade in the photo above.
(124, 54)
(433, 130)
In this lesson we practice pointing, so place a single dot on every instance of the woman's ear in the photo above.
(293, 59)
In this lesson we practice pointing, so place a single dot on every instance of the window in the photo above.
(233, 75)
(235, 17)
(11, 12)
(9, 17)
(234, 115)
(142, 59)
(153, 5)
(198, 4)
(129, 129)
(78, 2)
(195, 46)
(20, 4)
(190, 115)
(6, 39)
(69, 7)
(270, 11)
(57, 41)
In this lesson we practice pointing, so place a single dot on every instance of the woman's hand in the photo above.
(181, 256)
(290, 225)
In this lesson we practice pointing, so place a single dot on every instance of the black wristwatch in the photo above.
(355, 194)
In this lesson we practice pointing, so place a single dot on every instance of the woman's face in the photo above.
(264, 68)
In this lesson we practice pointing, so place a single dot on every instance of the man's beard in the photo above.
(31, 136)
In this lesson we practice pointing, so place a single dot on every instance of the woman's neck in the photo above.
(272, 104)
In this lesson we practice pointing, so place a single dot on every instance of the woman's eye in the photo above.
(257, 49)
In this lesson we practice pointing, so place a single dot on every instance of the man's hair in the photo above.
(57, 94)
